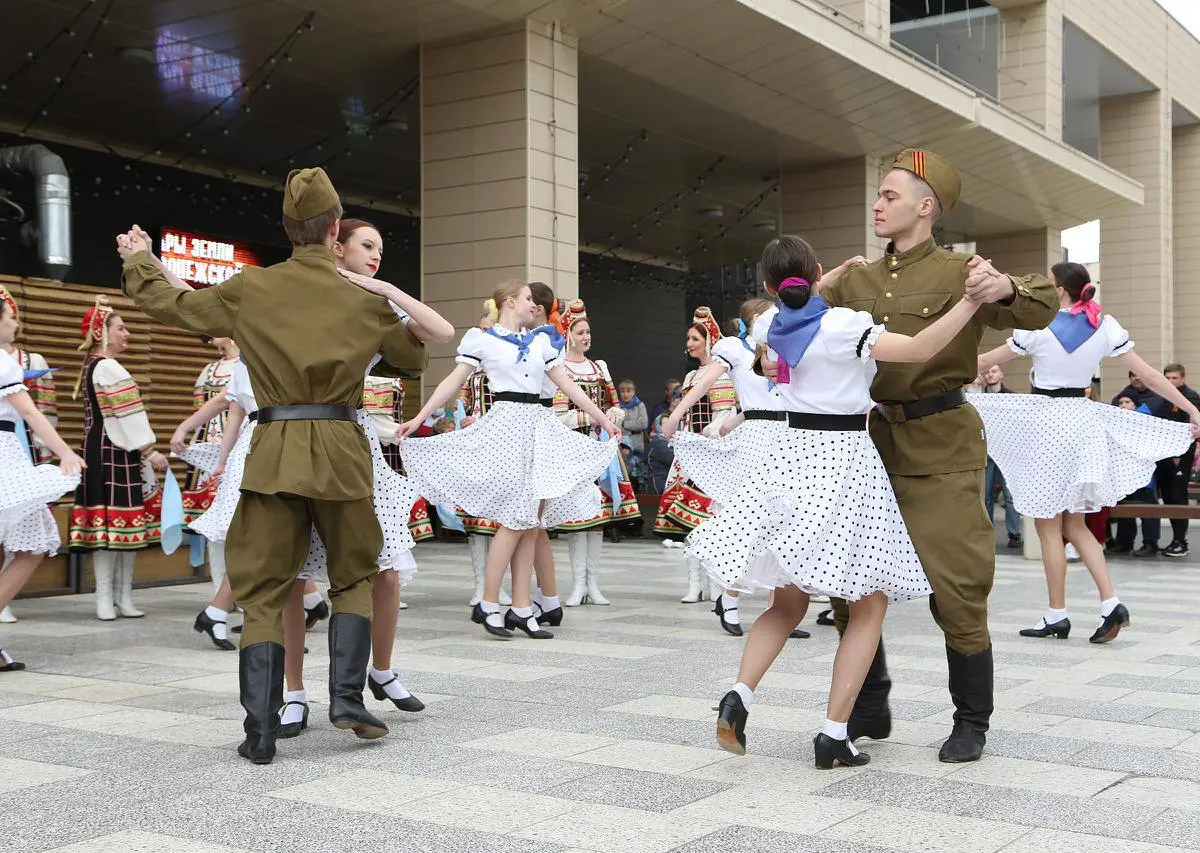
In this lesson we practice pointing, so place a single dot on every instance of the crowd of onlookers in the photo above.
(1169, 483)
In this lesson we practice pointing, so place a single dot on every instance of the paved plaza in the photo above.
(121, 737)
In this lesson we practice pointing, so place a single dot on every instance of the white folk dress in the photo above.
(1070, 454)
(720, 465)
(518, 455)
(818, 512)
(26, 524)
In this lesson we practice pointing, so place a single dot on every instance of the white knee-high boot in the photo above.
(104, 567)
(695, 592)
(577, 547)
(216, 564)
(479, 548)
(6, 614)
(123, 587)
(595, 540)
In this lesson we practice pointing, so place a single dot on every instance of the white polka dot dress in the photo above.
(26, 524)
(1069, 454)
(213, 525)
(719, 466)
(394, 496)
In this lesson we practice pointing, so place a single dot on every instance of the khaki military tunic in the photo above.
(307, 336)
(936, 462)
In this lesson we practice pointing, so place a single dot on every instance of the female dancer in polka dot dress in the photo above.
(817, 514)
(27, 529)
(1112, 451)
(517, 465)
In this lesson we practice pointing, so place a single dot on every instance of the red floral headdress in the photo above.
(94, 320)
(12, 303)
(575, 312)
(712, 330)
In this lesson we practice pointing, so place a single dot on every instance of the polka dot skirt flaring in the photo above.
(819, 513)
(394, 497)
(719, 465)
(1068, 454)
(505, 464)
(25, 490)
(213, 525)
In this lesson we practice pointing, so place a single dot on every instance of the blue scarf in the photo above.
(522, 341)
(793, 329)
(1072, 330)
(632, 404)
(39, 373)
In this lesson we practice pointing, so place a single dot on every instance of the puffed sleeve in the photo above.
(731, 353)
(379, 400)
(849, 334)
(125, 421)
(471, 348)
(1119, 341)
(1023, 341)
(553, 350)
(45, 399)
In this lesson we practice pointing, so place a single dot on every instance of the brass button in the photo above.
(924, 310)
(894, 261)
(895, 275)
(886, 318)
(888, 295)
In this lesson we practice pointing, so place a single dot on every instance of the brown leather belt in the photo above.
(307, 412)
(898, 413)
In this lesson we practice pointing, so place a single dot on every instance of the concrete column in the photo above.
(1136, 263)
(499, 170)
(1185, 157)
(1029, 60)
(830, 207)
(1019, 253)
(874, 15)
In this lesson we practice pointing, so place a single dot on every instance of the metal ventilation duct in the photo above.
(52, 230)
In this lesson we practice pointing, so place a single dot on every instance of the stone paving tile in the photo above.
(121, 737)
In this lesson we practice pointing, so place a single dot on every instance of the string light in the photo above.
(60, 81)
(33, 56)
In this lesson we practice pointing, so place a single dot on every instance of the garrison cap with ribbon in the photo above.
(308, 193)
(938, 173)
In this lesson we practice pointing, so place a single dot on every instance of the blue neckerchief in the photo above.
(632, 404)
(522, 341)
(743, 334)
(39, 373)
(793, 329)
(1072, 330)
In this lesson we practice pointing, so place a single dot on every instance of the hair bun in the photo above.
(1089, 291)
(489, 308)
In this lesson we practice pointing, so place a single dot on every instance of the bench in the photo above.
(1132, 510)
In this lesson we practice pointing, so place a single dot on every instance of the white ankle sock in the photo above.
(220, 630)
(492, 609)
(293, 713)
(1053, 615)
(1108, 606)
(549, 602)
(746, 693)
(311, 600)
(833, 729)
(730, 606)
(391, 685)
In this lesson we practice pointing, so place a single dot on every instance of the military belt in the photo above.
(307, 412)
(827, 423)
(764, 415)
(898, 413)
(1060, 392)
(516, 397)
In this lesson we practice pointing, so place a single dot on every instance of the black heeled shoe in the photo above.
(409, 703)
(830, 752)
(1059, 629)
(315, 615)
(553, 618)
(513, 621)
(204, 624)
(799, 634)
(7, 664)
(480, 618)
(1111, 626)
(731, 723)
(293, 729)
(825, 617)
(730, 627)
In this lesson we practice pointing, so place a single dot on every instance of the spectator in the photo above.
(1136, 390)
(1127, 527)
(993, 383)
(636, 420)
(635, 465)
(664, 406)
(659, 455)
(1173, 474)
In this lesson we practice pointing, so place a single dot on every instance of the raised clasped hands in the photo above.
(133, 241)
(985, 284)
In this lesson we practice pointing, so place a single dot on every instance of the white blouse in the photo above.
(834, 376)
(1054, 367)
(499, 359)
(754, 392)
(121, 407)
(12, 381)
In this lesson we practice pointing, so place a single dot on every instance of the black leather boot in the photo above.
(349, 652)
(260, 676)
(971, 685)
(871, 717)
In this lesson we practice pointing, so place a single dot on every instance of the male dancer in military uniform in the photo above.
(310, 463)
(931, 441)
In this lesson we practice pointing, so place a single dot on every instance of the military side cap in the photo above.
(308, 193)
(938, 173)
